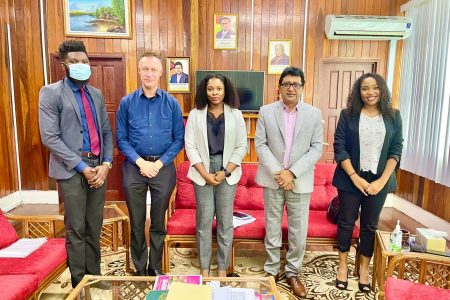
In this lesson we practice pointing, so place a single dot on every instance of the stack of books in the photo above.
(188, 287)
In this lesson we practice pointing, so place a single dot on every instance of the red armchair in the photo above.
(431, 274)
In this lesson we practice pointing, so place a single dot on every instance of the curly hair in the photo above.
(70, 46)
(355, 103)
(231, 96)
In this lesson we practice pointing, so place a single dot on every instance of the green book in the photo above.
(156, 295)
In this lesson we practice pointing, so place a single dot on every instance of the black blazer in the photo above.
(346, 146)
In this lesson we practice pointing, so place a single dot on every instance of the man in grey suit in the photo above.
(75, 128)
(288, 141)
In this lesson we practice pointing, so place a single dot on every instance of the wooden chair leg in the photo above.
(165, 258)
(356, 271)
(231, 266)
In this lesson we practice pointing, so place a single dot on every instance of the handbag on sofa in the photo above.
(333, 210)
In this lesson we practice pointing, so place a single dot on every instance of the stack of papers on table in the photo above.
(186, 291)
(241, 218)
(22, 248)
(227, 293)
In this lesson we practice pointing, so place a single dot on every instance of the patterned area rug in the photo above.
(318, 274)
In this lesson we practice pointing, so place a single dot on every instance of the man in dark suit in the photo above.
(179, 76)
(226, 32)
(75, 128)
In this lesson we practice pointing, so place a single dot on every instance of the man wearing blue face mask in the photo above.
(74, 126)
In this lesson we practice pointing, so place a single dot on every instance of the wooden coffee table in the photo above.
(137, 287)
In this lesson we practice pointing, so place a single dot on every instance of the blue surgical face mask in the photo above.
(80, 71)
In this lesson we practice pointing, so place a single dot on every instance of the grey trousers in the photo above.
(297, 206)
(83, 219)
(219, 200)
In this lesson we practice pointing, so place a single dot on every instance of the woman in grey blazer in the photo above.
(367, 148)
(216, 143)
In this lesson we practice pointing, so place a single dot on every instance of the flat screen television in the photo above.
(249, 85)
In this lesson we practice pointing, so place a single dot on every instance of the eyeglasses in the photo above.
(287, 85)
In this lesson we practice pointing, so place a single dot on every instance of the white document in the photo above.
(241, 218)
(239, 222)
(227, 293)
(22, 248)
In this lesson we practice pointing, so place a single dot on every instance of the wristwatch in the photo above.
(227, 173)
(108, 164)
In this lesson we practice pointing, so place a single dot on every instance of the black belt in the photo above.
(151, 158)
(89, 155)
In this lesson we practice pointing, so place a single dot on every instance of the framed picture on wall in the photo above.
(97, 18)
(225, 31)
(178, 74)
(279, 56)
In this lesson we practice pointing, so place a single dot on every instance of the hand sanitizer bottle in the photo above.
(396, 238)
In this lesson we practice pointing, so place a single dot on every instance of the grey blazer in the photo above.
(306, 146)
(61, 130)
(196, 142)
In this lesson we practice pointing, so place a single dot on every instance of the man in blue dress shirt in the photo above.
(150, 133)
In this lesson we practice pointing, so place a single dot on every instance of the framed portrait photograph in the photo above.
(279, 56)
(178, 74)
(225, 31)
(97, 18)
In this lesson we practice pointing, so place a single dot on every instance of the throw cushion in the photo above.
(324, 191)
(185, 196)
(7, 233)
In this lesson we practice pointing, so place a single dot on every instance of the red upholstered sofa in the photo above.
(249, 199)
(25, 278)
(432, 273)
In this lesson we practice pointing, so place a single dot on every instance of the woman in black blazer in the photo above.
(367, 148)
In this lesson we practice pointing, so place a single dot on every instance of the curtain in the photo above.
(424, 95)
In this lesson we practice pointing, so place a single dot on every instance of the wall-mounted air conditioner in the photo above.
(351, 27)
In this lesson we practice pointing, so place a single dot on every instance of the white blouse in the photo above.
(371, 138)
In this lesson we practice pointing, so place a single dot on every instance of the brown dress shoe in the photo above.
(297, 286)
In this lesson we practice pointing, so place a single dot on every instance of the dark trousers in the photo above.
(349, 204)
(83, 218)
(135, 187)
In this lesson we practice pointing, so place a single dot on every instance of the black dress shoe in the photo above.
(342, 285)
(152, 272)
(233, 275)
(139, 273)
(364, 288)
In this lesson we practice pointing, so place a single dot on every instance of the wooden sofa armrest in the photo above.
(428, 269)
(171, 208)
(36, 226)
